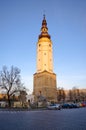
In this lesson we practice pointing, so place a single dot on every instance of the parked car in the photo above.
(78, 105)
(83, 104)
(54, 107)
(65, 105)
(70, 105)
(74, 105)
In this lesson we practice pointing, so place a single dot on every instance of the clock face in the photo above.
(44, 30)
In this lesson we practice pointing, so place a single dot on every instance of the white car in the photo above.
(54, 107)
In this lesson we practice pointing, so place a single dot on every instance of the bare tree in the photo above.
(10, 82)
(61, 94)
(76, 94)
(22, 97)
(70, 94)
(82, 96)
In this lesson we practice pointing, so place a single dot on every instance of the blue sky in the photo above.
(20, 23)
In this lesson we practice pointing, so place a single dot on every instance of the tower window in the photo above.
(44, 53)
(39, 45)
(50, 45)
(44, 64)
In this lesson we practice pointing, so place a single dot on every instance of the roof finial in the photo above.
(44, 14)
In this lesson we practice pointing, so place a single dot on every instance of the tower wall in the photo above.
(44, 55)
(45, 83)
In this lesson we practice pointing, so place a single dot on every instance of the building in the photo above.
(30, 98)
(75, 94)
(45, 78)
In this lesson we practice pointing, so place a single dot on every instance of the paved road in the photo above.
(65, 119)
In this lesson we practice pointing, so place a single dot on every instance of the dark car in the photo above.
(73, 105)
(69, 105)
(65, 105)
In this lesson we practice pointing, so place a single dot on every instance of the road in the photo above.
(65, 119)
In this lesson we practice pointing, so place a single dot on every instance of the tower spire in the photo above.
(44, 29)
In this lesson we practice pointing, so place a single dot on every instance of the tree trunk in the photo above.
(9, 101)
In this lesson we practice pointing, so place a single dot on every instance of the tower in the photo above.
(45, 78)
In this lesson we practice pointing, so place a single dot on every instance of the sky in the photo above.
(20, 24)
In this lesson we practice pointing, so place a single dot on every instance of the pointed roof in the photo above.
(44, 29)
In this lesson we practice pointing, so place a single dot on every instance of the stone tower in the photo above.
(45, 78)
